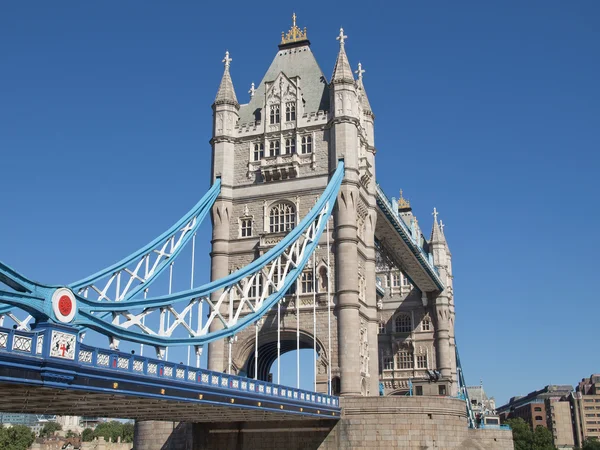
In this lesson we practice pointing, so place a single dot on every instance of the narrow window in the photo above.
(274, 114)
(442, 389)
(382, 327)
(259, 152)
(426, 324)
(307, 282)
(388, 363)
(290, 111)
(246, 227)
(306, 145)
(290, 146)
(405, 281)
(421, 361)
(395, 280)
(418, 390)
(274, 148)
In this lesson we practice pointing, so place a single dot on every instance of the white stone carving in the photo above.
(62, 345)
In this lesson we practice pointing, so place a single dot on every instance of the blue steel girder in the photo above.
(247, 294)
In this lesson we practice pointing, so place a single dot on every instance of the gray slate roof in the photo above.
(295, 61)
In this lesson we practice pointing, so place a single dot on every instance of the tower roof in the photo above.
(342, 73)
(294, 59)
(294, 37)
(226, 92)
(403, 204)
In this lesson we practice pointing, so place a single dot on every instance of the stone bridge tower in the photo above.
(274, 155)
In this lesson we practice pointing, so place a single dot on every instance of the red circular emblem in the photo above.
(65, 305)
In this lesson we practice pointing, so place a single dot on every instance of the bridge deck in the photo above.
(39, 375)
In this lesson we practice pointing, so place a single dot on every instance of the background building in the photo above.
(585, 403)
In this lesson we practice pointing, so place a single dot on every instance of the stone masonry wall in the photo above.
(414, 423)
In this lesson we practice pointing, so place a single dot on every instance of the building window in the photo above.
(290, 111)
(422, 362)
(405, 281)
(403, 324)
(418, 390)
(256, 288)
(306, 144)
(539, 418)
(537, 409)
(282, 218)
(382, 327)
(442, 389)
(395, 280)
(307, 282)
(405, 360)
(246, 227)
(274, 116)
(259, 151)
(274, 147)
(388, 363)
(290, 146)
(426, 324)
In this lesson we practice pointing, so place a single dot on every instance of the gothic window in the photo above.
(381, 327)
(405, 281)
(426, 324)
(274, 148)
(274, 115)
(290, 111)
(307, 282)
(403, 324)
(395, 280)
(282, 218)
(246, 227)
(306, 144)
(290, 146)
(405, 360)
(422, 362)
(388, 363)
(259, 151)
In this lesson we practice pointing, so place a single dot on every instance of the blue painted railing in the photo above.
(31, 344)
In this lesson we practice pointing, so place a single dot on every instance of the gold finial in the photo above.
(402, 202)
(295, 34)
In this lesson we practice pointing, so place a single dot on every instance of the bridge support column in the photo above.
(157, 435)
(442, 313)
(346, 264)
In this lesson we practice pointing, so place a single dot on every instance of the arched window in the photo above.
(403, 324)
(274, 114)
(382, 327)
(259, 151)
(306, 144)
(307, 282)
(274, 148)
(539, 418)
(290, 146)
(290, 111)
(282, 218)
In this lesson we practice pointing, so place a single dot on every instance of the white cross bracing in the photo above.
(246, 295)
(140, 271)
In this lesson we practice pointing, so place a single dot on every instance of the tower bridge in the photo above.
(308, 252)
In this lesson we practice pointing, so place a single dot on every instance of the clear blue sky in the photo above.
(489, 111)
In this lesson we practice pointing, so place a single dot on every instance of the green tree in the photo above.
(127, 435)
(591, 444)
(542, 439)
(70, 434)
(109, 430)
(87, 435)
(522, 434)
(50, 428)
(18, 437)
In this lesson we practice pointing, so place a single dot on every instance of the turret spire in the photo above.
(342, 73)
(362, 93)
(226, 92)
(436, 232)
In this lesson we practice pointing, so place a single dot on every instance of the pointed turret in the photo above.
(226, 92)
(362, 93)
(436, 233)
(342, 73)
